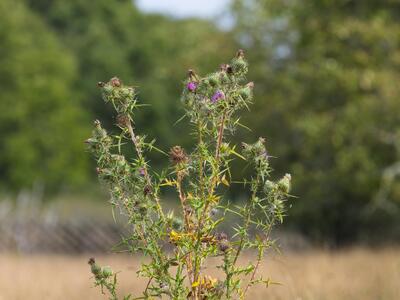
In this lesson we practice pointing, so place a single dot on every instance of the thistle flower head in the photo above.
(177, 155)
(218, 95)
(220, 236)
(223, 245)
(115, 82)
(142, 172)
(191, 86)
(94, 268)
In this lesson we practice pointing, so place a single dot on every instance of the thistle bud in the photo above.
(239, 64)
(284, 183)
(177, 224)
(107, 272)
(223, 77)
(213, 79)
(218, 95)
(127, 92)
(94, 268)
(223, 245)
(269, 186)
(245, 93)
(99, 132)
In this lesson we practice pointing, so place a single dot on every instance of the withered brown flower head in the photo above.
(91, 261)
(240, 53)
(115, 82)
(147, 190)
(122, 120)
(229, 69)
(177, 155)
(250, 85)
(223, 245)
(220, 236)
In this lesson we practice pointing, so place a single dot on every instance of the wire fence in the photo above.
(27, 226)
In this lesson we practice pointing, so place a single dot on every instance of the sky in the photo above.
(184, 8)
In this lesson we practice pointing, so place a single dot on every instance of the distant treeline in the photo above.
(326, 79)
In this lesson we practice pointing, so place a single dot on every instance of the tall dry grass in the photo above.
(352, 274)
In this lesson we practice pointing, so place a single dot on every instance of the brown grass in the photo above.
(351, 274)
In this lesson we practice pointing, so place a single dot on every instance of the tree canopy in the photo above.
(329, 99)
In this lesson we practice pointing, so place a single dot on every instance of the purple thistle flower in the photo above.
(142, 172)
(217, 96)
(191, 86)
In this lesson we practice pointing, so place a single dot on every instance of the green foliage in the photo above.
(41, 121)
(200, 178)
(329, 102)
(112, 37)
(53, 51)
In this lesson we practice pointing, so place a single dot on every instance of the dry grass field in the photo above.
(349, 274)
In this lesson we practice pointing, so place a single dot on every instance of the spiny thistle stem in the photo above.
(146, 173)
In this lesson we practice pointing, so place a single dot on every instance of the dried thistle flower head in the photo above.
(115, 82)
(123, 120)
(91, 261)
(177, 155)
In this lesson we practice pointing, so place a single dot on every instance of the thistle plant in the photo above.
(179, 244)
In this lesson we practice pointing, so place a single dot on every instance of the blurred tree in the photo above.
(326, 74)
(40, 118)
(111, 37)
